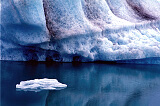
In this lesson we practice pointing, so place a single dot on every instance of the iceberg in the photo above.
(37, 85)
(81, 30)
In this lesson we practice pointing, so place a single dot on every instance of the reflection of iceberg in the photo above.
(105, 84)
(108, 85)
(40, 84)
(80, 30)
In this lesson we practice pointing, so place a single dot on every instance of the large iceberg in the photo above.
(81, 30)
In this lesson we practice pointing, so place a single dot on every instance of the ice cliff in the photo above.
(81, 30)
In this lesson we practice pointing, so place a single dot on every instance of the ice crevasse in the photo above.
(81, 30)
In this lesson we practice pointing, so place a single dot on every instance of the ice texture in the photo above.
(80, 30)
(40, 84)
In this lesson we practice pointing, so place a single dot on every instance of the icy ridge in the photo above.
(80, 30)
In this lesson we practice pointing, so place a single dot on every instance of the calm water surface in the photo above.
(89, 84)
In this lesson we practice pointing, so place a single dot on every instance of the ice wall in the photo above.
(80, 30)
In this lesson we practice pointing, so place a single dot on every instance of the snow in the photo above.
(40, 84)
(80, 30)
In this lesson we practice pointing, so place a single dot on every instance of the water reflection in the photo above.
(88, 84)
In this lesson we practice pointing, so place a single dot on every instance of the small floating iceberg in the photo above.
(40, 84)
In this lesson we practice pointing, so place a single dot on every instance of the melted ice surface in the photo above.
(40, 84)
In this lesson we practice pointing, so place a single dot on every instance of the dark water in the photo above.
(89, 84)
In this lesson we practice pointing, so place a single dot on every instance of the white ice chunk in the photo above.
(40, 84)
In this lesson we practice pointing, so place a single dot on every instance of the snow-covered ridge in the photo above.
(80, 30)
(40, 84)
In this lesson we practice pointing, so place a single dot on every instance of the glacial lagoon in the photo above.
(88, 84)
